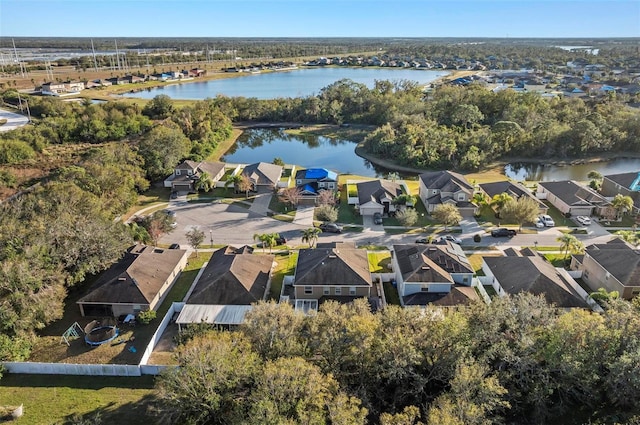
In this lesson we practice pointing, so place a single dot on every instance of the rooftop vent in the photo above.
(426, 268)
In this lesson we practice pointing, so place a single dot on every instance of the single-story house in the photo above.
(573, 198)
(263, 175)
(138, 282)
(626, 184)
(187, 173)
(233, 277)
(446, 187)
(527, 271)
(515, 190)
(335, 271)
(614, 266)
(433, 274)
(376, 196)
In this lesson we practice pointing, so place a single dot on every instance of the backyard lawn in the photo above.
(391, 294)
(56, 399)
(49, 348)
(379, 261)
(286, 265)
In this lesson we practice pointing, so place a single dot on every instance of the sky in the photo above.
(320, 18)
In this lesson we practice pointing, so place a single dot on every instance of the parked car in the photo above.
(547, 220)
(174, 195)
(450, 238)
(279, 241)
(170, 213)
(377, 218)
(584, 220)
(539, 223)
(503, 231)
(422, 240)
(174, 246)
(331, 227)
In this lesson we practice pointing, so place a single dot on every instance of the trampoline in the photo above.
(97, 334)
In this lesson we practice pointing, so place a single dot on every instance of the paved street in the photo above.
(13, 120)
(236, 225)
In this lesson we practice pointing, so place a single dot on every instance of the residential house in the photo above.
(376, 196)
(187, 173)
(138, 282)
(233, 277)
(263, 175)
(514, 190)
(313, 180)
(614, 266)
(527, 271)
(573, 198)
(446, 187)
(433, 274)
(336, 271)
(626, 184)
(59, 89)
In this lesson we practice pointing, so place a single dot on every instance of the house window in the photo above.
(586, 273)
(326, 290)
(352, 290)
(338, 290)
(177, 172)
(465, 279)
(298, 181)
(424, 289)
(308, 290)
(460, 196)
(606, 276)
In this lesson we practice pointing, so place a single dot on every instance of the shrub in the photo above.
(145, 317)
(477, 238)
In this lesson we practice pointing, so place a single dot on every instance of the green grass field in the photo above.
(57, 399)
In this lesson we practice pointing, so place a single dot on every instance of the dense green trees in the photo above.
(517, 360)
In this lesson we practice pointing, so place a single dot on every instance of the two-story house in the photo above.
(446, 187)
(433, 274)
(626, 184)
(187, 173)
(337, 271)
(313, 180)
(614, 266)
(376, 196)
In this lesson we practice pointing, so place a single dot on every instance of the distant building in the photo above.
(61, 89)
(626, 184)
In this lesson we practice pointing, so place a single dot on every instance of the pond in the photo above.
(295, 83)
(547, 172)
(308, 151)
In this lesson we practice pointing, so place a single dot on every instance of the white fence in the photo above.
(73, 369)
(477, 283)
(583, 294)
(175, 307)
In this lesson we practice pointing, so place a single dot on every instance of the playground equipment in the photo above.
(72, 333)
(97, 333)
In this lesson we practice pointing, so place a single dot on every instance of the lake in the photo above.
(548, 172)
(295, 83)
(307, 151)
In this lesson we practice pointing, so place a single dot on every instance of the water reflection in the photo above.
(306, 150)
(548, 172)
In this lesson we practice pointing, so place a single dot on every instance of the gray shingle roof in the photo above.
(619, 259)
(446, 181)
(573, 194)
(431, 263)
(375, 190)
(534, 275)
(514, 190)
(338, 265)
(459, 295)
(263, 173)
(623, 179)
(233, 277)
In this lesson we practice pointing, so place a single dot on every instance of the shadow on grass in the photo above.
(133, 413)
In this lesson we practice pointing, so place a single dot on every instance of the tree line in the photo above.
(517, 360)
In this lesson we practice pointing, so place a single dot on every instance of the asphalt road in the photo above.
(235, 225)
(13, 120)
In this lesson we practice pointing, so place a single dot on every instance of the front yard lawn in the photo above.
(558, 217)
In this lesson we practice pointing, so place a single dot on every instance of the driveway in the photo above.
(304, 215)
(13, 120)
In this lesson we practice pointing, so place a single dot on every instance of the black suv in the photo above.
(496, 233)
(331, 227)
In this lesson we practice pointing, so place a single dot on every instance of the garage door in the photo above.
(182, 187)
(581, 211)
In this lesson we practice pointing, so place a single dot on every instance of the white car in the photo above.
(450, 238)
(584, 220)
(539, 223)
(547, 220)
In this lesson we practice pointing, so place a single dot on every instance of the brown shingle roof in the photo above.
(375, 190)
(233, 277)
(459, 295)
(424, 263)
(136, 278)
(337, 265)
(445, 181)
(263, 173)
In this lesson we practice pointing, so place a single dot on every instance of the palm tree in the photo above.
(499, 200)
(205, 182)
(622, 204)
(479, 199)
(630, 236)
(310, 235)
(569, 243)
(267, 239)
(233, 180)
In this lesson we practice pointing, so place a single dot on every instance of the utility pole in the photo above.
(95, 61)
